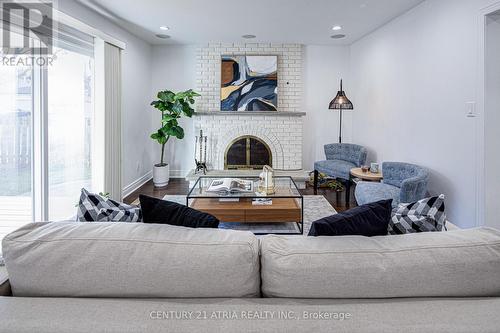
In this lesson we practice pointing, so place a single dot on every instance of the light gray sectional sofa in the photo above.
(134, 277)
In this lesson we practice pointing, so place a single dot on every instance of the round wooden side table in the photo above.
(370, 176)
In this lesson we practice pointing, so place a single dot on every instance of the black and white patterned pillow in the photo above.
(95, 208)
(424, 215)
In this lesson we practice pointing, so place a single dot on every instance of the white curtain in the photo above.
(112, 120)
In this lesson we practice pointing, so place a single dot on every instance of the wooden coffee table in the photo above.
(287, 203)
(370, 176)
(282, 210)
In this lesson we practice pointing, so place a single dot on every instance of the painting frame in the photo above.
(249, 82)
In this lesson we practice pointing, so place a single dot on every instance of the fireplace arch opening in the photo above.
(246, 153)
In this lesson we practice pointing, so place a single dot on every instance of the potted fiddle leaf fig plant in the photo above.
(172, 107)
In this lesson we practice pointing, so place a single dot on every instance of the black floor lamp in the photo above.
(341, 102)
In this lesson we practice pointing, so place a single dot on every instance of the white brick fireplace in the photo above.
(282, 133)
(281, 130)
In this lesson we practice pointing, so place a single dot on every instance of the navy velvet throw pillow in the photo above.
(166, 212)
(367, 220)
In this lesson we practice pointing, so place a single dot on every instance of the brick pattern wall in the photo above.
(283, 135)
(208, 58)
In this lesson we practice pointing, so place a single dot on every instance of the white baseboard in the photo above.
(127, 190)
(178, 173)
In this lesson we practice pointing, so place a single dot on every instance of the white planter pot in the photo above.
(161, 175)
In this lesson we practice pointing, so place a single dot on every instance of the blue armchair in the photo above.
(403, 183)
(340, 159)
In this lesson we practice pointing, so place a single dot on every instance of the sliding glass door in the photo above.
(16, 146)
(47, 131)
(70, 124)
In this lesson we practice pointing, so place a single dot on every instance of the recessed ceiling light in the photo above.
(162, 36)
(164, 28)
(336, 28)
(337, 36)
(248, 36)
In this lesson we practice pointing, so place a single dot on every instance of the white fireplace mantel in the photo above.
(250, 113)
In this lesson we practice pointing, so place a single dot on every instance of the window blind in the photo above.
(63, 35)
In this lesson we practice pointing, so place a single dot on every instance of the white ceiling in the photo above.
(280, 21)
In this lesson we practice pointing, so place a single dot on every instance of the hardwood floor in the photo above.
(180, 186)
(175, 186)
(336, 199)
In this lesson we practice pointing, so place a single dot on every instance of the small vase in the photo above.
(161, 175)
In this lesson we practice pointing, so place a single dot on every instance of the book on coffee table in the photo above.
(262, 201)
(229, 199)
(230, 185)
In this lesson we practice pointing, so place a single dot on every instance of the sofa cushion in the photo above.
(335, 168)
(131, 260)
(367, 220)
(424, 215)
(367, 192)
(266, 315)
(462, 263)
(167, 212)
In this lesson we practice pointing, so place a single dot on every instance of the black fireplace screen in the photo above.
(247, 152)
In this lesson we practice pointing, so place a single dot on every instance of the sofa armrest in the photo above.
(5, 289)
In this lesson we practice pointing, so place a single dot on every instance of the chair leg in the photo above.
(315, 183)
(348, 192)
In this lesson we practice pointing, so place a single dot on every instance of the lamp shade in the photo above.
(341, 101)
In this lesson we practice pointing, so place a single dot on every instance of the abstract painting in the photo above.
(249, 83)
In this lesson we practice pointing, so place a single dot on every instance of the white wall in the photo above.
(412, 78)
(323, 68)
(174, 68)
(136, 93)
(492, 121)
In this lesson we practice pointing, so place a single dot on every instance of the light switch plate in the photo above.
(471, 109)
